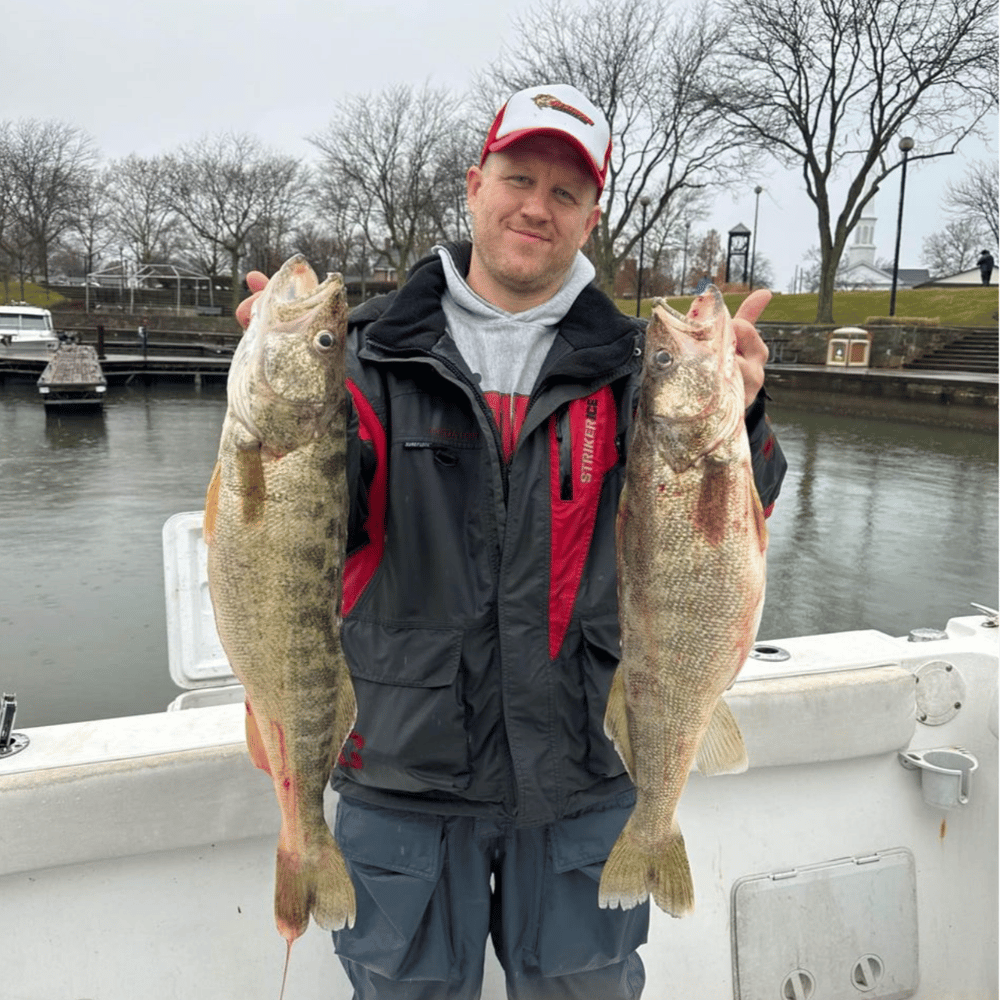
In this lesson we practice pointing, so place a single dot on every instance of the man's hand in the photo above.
(256, 282)
(751, 351)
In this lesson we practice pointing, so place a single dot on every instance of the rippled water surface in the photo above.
(880, 525)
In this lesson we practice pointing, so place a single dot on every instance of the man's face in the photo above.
(533, 205)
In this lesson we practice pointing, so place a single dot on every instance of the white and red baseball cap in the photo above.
(554, 109)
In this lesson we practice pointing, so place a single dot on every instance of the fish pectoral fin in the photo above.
(616, 722)
(722, 749)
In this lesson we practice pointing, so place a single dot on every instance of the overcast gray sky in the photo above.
(144, 78)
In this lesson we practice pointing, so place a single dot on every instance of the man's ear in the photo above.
(473, 182)
(595, 214)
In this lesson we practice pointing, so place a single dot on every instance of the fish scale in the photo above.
(691, 544)
(275, 528)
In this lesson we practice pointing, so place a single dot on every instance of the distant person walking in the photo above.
(985, 263)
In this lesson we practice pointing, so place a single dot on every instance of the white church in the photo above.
(859, 270)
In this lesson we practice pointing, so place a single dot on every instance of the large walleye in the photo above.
(691, 540)
(275, 525)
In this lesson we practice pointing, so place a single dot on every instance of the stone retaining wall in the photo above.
(892, 346)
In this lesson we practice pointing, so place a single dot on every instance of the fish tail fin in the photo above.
(315, 882)
(632, 873)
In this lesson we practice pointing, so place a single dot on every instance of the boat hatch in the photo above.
(839, 930)
(195, 655)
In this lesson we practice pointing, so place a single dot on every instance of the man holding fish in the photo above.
(493, 402)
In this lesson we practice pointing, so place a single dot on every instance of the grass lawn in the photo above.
(34, 295)
(950, 306)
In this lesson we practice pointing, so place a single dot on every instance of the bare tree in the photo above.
(462, 148)
(641, 64)
(92, 229)
(339, 235)
(829, 86)
(145, 221)
(227, 188)
(384, 153)
(953, 248)
(44, 167)
(975, 200)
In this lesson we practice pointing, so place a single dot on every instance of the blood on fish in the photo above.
(711, 514)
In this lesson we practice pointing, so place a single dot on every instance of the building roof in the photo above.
(969, 277)
(867, 275)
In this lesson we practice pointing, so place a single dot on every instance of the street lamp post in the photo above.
(905, 144)
(753, 253)
(644, 201)
(684, 265)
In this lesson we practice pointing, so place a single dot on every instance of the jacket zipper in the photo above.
(564, 439)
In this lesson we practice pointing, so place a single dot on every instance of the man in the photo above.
(493, 395)
(985, 263)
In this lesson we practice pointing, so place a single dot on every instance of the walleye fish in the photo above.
(691, 540)
(275, 527)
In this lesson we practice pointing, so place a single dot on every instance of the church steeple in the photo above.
(862, 250)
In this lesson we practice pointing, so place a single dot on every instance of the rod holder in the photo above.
(10, 742)
(945, 774)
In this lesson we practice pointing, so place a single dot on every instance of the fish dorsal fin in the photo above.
(616, 722)
(722, 749)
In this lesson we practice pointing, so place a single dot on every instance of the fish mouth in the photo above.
(297, 290)
(281, 365)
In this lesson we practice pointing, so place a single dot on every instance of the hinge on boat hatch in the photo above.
(10, 742)
(779, 876)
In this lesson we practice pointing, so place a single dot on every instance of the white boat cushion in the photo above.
(836, 715)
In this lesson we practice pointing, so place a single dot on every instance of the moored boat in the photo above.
(26, 331)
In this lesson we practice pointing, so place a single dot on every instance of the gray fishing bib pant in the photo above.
(430, 889)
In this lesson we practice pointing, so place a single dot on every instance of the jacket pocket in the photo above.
(601, 652)
(395, 861)
(410, 734)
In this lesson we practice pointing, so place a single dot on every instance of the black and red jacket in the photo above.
(480, 607)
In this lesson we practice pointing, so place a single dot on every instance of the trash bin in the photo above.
(849, 346)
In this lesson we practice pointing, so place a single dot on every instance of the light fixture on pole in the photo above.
(644, 201)
(753, 253)
(905, 144)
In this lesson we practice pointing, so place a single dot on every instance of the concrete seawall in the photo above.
(945, 399)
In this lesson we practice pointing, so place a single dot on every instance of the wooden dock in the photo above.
(73, 378)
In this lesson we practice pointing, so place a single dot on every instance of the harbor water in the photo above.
(880, 524)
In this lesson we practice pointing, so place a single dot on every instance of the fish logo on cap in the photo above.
(548, 101)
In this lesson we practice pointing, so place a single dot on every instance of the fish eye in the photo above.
(663, 359)
(324, 340)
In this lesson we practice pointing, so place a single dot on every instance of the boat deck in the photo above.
(73, 377)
